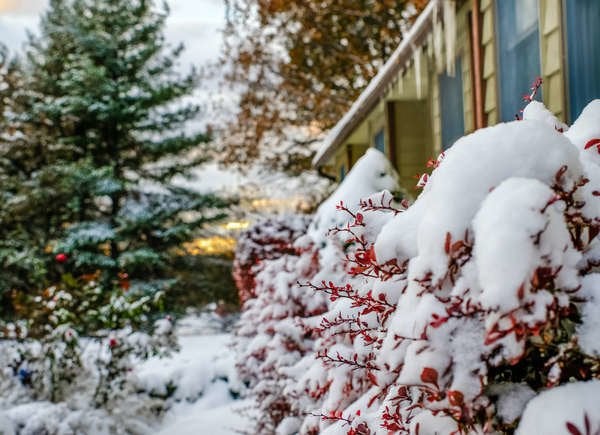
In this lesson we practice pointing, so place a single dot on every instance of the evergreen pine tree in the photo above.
(109, 129)
(20, 215)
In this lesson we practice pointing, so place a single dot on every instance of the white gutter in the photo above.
(377, 86)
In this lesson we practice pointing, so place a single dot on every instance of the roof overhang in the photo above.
(378, 86)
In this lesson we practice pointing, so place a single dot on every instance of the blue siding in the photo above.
(452, 111)
(380, 141)
(518, 52)
(583, 53)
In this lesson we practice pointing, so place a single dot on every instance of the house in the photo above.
(463, 65)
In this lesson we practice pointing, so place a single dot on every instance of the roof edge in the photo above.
(376, 87)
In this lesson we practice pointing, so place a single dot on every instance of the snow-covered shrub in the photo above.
(570, 408)
(475, 299)
(457, 313)
(269, 335)
(341, 368)
(268, 239)
(81, 378)
(275, 331)
(77, 351)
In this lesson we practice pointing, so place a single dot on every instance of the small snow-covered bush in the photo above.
(270, 336)
(275, 330)
(76, 352)
(268, 239)
(84, 383)
(477, 301)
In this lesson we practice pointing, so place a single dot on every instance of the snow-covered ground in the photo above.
(204, 374)
(199, 381)
(206, 416)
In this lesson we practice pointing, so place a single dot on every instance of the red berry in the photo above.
(61, 258)
(112, 342)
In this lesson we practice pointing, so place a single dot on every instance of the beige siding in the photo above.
(551, 46)
(340, 160)
(356, 152)
(488, 42)
(436, 117)
(413, 140)
(464, 50)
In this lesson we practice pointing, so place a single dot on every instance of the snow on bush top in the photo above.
(372, 173)
(471, 169)
(585, 132)
(571, 408)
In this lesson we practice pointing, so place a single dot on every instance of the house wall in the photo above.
(463, 50)
(410, 108)
(412, 139)
(490, 74)
(552, 56)
(412, 152)
(403, 90)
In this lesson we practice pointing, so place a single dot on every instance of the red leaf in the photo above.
(372, 378)
(573, 429)
(521, 291)
(456, 398)
(371, 253)
(588, 426)
(591, 143)
(447, 243)
(456, 246)
(429, 375)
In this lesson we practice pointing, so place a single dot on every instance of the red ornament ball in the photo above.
(61, 258)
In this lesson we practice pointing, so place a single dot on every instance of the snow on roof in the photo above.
(377, 86)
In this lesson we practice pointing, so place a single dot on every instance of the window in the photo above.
(451, 105)
(518, 52)
(342, 172)
(380, 140)
(583, 53)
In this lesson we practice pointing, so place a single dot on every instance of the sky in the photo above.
(196, 23)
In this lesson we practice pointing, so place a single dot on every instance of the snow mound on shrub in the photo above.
(509, 220)
(537, 110)
(585, 129)
(571, 408)
(471, 169)
(372, 173)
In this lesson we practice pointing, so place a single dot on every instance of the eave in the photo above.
(378, 86)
